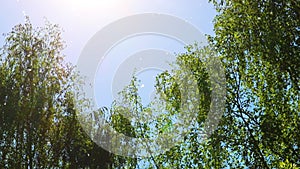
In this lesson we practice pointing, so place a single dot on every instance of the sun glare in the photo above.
(93, 3)
(88, 8)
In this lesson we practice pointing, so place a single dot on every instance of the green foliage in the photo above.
(258, 43)
(38, 106)
(169, 105)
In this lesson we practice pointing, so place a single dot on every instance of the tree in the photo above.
(258, 43)
(38, 105)
(193, 151)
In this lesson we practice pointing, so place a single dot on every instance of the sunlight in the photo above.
(93, 8)
(87, 4)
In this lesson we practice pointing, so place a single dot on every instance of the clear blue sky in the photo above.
(81, 19)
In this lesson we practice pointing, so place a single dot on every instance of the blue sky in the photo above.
(81, 19)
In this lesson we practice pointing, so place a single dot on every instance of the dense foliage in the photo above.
(260, 47)
(38, 105)
(258, 43)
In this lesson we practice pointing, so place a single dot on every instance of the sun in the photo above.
(93, 3)
(85, 8)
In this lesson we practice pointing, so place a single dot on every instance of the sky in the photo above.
(81, 19)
